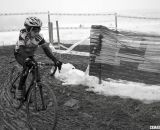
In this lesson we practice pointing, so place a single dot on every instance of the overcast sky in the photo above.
(76, 6)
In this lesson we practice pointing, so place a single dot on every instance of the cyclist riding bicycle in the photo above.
(29, 40)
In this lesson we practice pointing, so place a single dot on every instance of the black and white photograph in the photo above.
(79, 65)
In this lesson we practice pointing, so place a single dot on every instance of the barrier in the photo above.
(113, 55)
(70, 49)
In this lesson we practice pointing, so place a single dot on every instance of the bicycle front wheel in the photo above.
(42, 108)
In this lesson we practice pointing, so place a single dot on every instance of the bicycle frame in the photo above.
(35, 99)
(34, 81)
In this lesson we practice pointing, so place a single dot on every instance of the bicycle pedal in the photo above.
(12, 91)
(30, 101)
(13, 95)
(41, 109)
(13, 87)
(38, 109)
(44, 108)
(18, 104)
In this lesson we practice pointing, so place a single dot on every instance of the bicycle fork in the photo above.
(42, 98)
(39, 86)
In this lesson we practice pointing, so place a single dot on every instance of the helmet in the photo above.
(33, 22)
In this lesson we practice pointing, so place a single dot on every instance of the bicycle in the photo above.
(40, 100)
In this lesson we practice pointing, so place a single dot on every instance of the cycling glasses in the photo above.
(36, 29)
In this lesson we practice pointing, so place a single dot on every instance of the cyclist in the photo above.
(28, 42)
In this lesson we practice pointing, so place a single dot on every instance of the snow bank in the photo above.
(69, 75)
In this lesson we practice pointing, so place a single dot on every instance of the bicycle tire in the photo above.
(13, 75)
(15, 71)
(42, 119)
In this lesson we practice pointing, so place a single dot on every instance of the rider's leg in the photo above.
(36, 70)
(19, 91)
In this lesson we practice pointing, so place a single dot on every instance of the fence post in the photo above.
(116, 21)
(49, 33)
(58, 38)
(100, 73)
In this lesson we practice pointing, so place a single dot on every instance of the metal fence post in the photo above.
(58, 38)
(49, 33)
(100, 73)
(116, 21)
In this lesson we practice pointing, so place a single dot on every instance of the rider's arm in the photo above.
(45, 47)
(48, 52)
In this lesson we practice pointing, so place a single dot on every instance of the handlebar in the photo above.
(53, 69)
(45, 64)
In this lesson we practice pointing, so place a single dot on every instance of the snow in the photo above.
(10, 38)
(69, 75)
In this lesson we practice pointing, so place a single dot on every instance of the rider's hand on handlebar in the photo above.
(59, 64)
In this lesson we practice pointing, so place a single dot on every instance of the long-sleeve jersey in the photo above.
(26, 45)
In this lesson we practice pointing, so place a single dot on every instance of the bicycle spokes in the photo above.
(44, 107)
(35, 98)
(44, 110)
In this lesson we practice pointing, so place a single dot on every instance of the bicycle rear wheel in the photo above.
(42, 108)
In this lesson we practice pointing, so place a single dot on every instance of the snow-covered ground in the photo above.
(69, 75)
(10, 38)
(140, 25)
